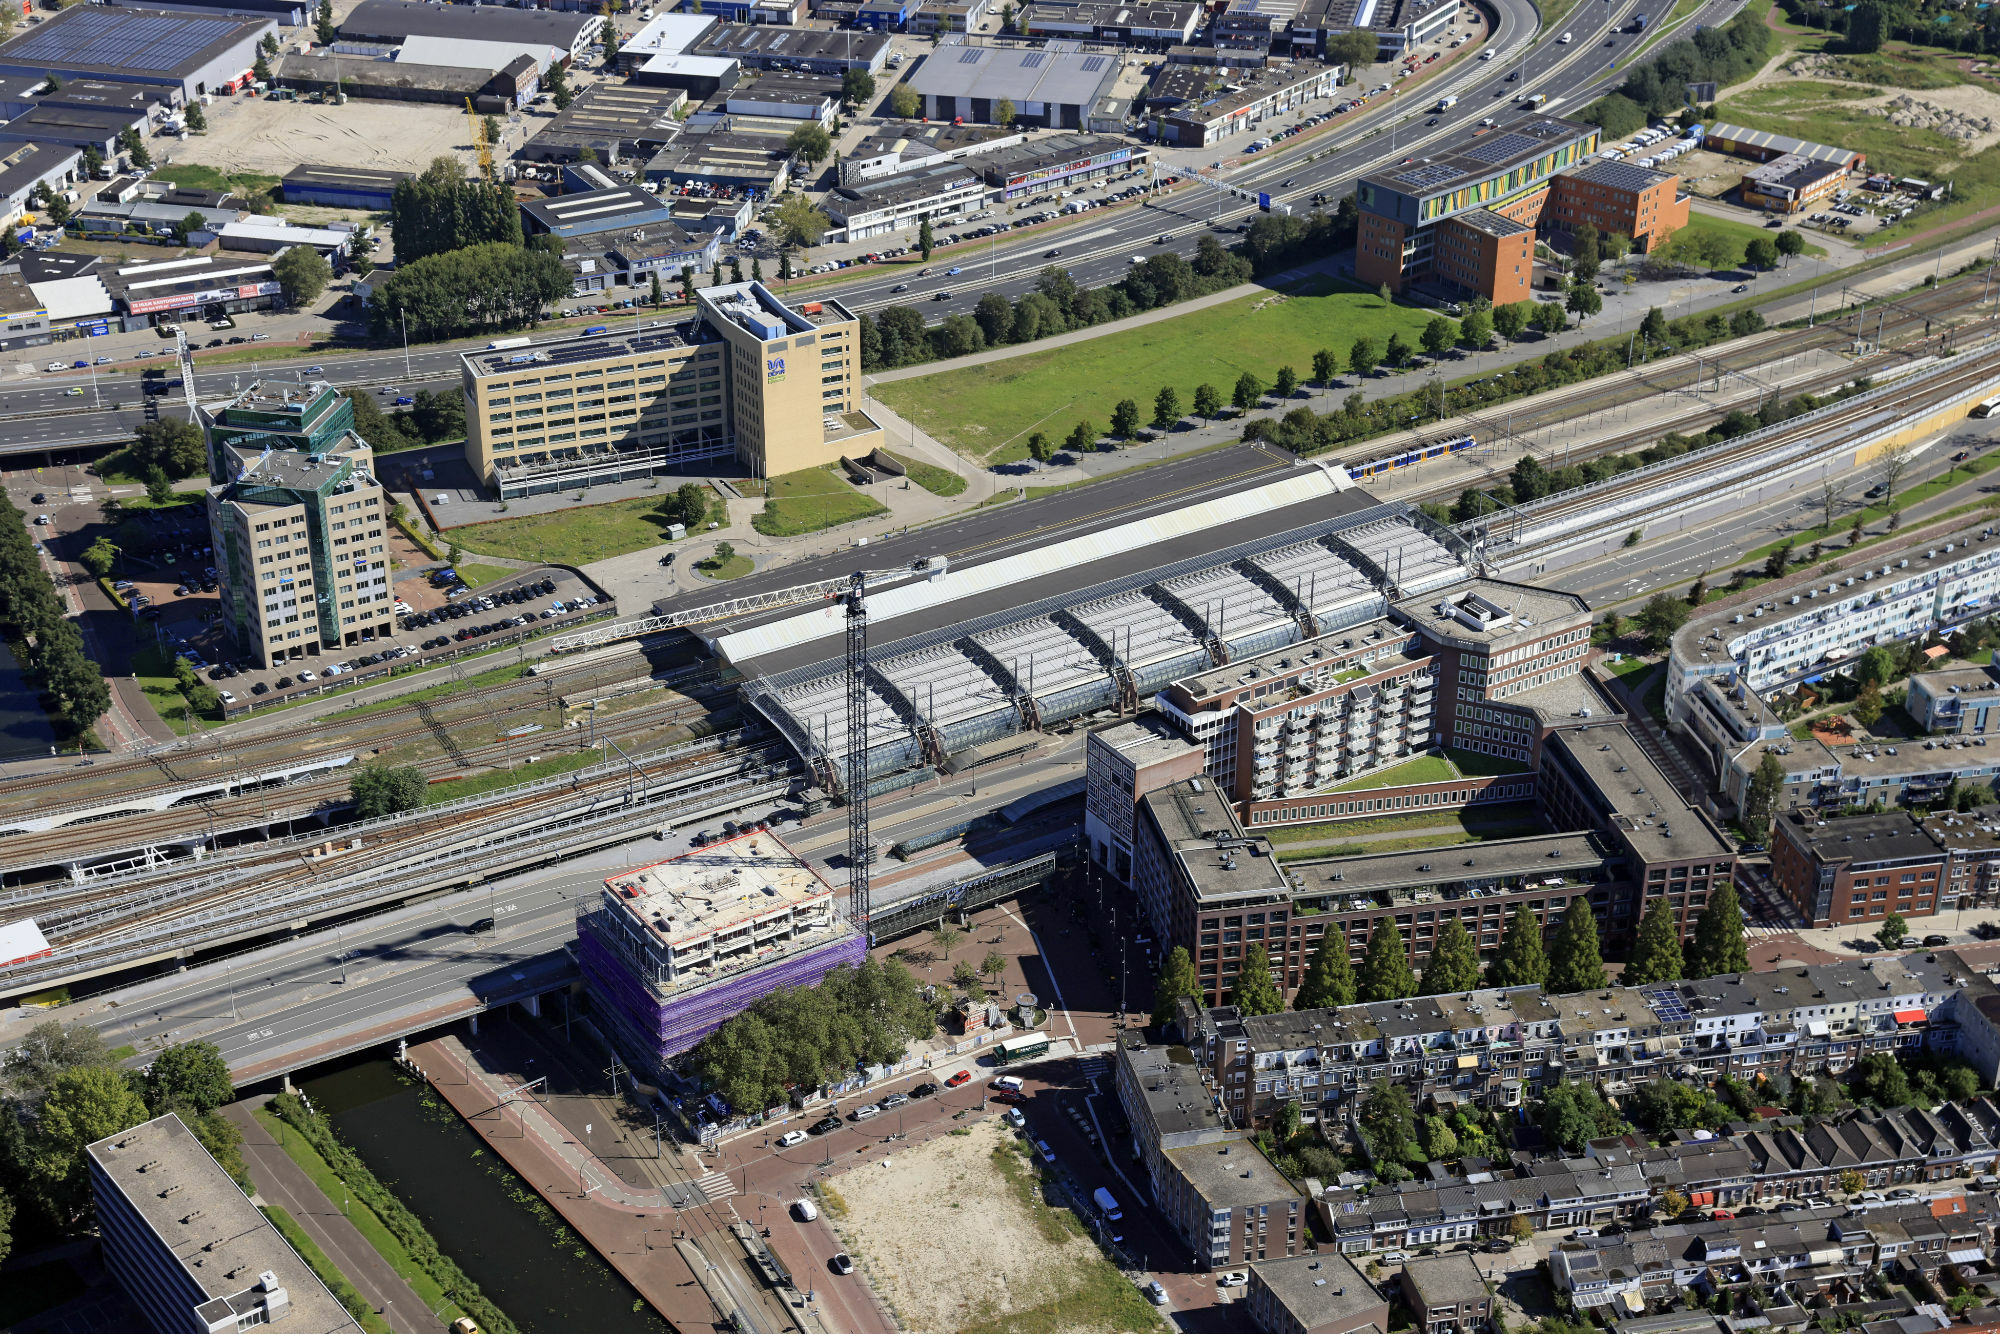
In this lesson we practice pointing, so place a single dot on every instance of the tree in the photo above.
(904, 102)
(964, 975)
(50, 1048)
(159, 490)
(1362, 357)
(1761, 252)
(1549, 317)
(1166, 408)
(1329, 978)
(1717, 947)
(1894, 928)
(1125, 419)
(323, 23)
(1791, 243)
(1584, 259)
(1654, 326)
(856, 87)
(1082, 436)
(1439, 1143)
(1206, 402)
(810, 143)
(1247, 392)
(93, 159)
(1767, 781)
(1574, 1113)
(260, 68)
(1003, 112)
(1878, 1079)
(1866, 26)
(801, 223)
(1575, 961)
(1512, 318)
(1439, 335)
(1521, 961)
(84, 1105)
(302, 274)
(197, 119)
(1385, 966)
(191, 1078)
(1388, 1124)
(176, 447)
(1384, 293)
(99, 557)
(994, 965)
(1875, 667)
(1656, 954)
(1285, 384)
(1039, 448)
(1661, 618)
(1256, 991)
(1890, 465)
(1396, 352)
(1324, 367)
(1454, 962)
(558, 86)
(1869, 705)
(1521, 1228)
(1672, 1203)
(1354, 48)
(379, 790)
(1583, 301)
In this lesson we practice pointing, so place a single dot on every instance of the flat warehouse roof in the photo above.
(398, 19)
(345, 178)
(1058, 72)
(113, 41)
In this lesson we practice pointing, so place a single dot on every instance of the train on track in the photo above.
(1435, 449)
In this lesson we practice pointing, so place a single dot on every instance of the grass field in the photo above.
(1422, 769)
(1480, 822)
(1738, 235)
(938, 481)
(478, 576)
(987, 412)
(364, 1220)
(574, 536)
(493, 779)
(196, 176)
(809, 500)
(735, 567)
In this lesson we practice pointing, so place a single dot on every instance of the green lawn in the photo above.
(987, 411)
(1422, 769)
(1474, 765)
(809, 500)
(478, 576)
(364, 1219)
(520, 773)
(573, 536)
(735, 567)
(196, 176)
(1479, 821)
(938, 481)
(1737, 234)
(180, 498)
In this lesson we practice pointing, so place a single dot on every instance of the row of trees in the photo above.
(801, 1037)
(1868, 24)
(435, 417)
(476, 289)
(440, 210)
(1658, 87)
(43, 639)
(64, 1091)
(1569, 960)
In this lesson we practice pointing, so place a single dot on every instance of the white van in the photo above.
(1564, 39)
(1107, 1205)
(1011, 1083)
(805, 1210)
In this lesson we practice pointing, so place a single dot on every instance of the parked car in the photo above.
(1932, 941)
(841, 1263)
(962, 1077)
(791, 1137)
(825, 1125)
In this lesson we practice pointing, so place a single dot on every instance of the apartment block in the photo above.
(1166, 1103)
(1961, 700)
(1858, 868)
(1447, 1294)
(187, 1246)
(749, 377)
(296, 520)
(1122, 764)
(1320, 1293)
(1229, 1204)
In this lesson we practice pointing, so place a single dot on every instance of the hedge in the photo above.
(395, 1215)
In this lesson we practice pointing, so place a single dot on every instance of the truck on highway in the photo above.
(1638, 23)
(1447, 103)
(1537, 100)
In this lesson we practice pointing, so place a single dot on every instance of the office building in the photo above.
(670, 951)
(1858, 868)
(1641, 204)
(296, 520)
(1057, 162)
(668, 34)
(1166, 1104)
(898, 203)
(778, 388)
(1244, 101)
(189, 1249)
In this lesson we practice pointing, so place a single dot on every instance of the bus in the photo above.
(1987, 408)
(1021, 1048)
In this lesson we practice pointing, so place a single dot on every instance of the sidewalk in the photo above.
(282, 1182)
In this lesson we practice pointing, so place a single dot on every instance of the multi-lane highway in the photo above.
(39, 413)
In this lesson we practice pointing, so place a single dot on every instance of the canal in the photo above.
(501, 1233)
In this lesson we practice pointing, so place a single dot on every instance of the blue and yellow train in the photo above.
(1433, 450)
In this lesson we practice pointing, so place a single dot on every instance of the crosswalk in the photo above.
(717, 1186)
(1093, 1068)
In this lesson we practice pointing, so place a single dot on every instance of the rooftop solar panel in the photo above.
(122, 39)
(1092, 64)
(1423, 177)
(1032, 60)
(1501, 147)
(970, 57)
(1666, 1002)
(1621, 175)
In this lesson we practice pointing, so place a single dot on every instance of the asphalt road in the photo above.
(40, 413)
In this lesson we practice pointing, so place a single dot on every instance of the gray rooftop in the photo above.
(223, 1243)
(1514, 143)
(1492, 615)
(1642, 802)
(1143, 741)
(118, 42)
(1170, 1082)
(1862, 839)
(1231, 1174)
(1536, 859)
(397, 19)
(1322, 1288)
(1059, 72)
(1444, 1280)
(1201, 831)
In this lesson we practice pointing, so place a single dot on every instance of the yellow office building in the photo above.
(772, 386)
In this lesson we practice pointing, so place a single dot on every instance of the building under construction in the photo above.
(670, 951)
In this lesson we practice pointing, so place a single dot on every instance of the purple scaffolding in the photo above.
(666, 1026)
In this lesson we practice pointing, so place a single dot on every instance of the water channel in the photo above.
(506, 1239)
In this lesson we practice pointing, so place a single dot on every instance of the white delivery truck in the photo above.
(1447, 103)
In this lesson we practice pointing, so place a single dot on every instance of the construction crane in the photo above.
(479, 143)
(860, 845)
